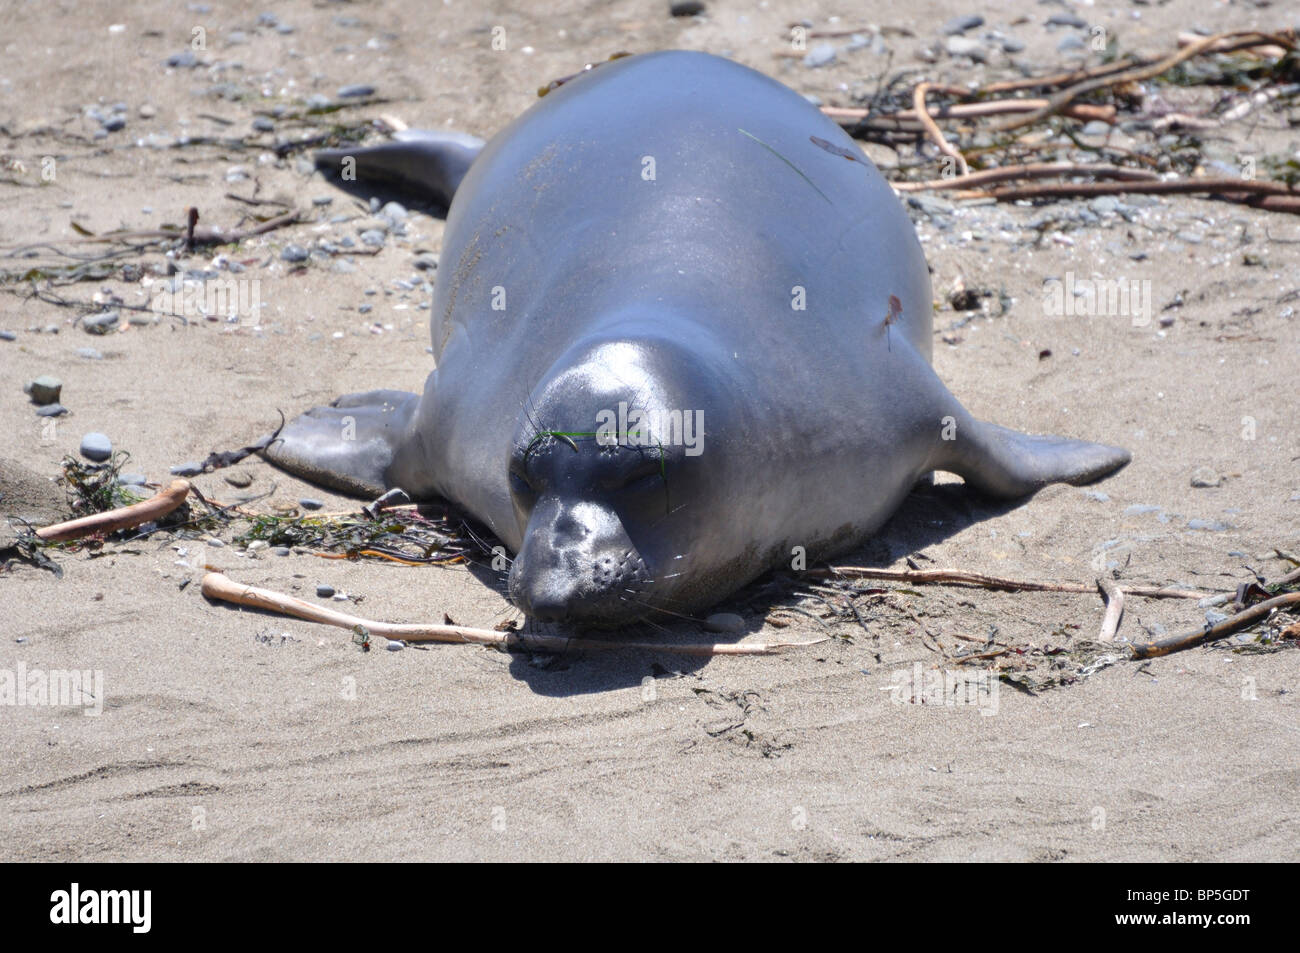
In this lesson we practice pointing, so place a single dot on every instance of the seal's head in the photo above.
(611, 467)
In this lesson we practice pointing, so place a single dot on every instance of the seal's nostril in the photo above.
(548, 608)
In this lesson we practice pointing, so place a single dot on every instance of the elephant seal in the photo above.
(676, 336)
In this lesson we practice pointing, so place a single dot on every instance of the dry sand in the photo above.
(230, 735)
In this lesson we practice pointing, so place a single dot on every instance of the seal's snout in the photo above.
(576, 564)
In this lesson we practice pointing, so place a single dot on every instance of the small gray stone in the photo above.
(1011, 45)
(113, 123)
(1138, 509)
(101, 323)
(294, 253)
(1067, 19)
(355, 90)
(1209, 526)
(96, 447)
(395, 645)
(1098, 495)
(318, 101)
(89, 353)
(238, 479)
(965, 46)
(8, 336)
(51, 410)
(280, 550)
(307, 503)
(1069, 42)
(1097, 128)
(724, 622)
(821, 55)
(45, 389)
(263, 124)
(426, 262)
(132, 479)
(1214, 618)
(961, 24)
(324, 591)
(685, 8)
(373, 237)
(1203, 477)
(193, 468)
(183, 60)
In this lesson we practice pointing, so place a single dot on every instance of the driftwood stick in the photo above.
(1219, 43)
(1187, 640)
(1031, 170)
(124, 517)
(932, 129)
(1114, 597)
(960, 577)
(1270, 196)
(217, 586)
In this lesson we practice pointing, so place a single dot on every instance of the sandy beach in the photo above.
(231, 735)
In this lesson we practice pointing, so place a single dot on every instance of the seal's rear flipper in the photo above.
(417, 161)
(348, 445)
(1007, 463)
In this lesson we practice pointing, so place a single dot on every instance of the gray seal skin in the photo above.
(645, 234)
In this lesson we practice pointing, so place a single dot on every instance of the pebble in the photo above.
(965, 46)
(45, 389)
(1214, 618)
(257, 545)
(426, 262)
(89, 353)
(821, 55)
(1097, 128)
(724, 622)
(307, 503)
(1069, 42)
(318, 101)
(239, 479)
(8, 336)
(148, 111)
(193, 468)
(1210, 526)
(1137, 509)
(1203, 477)
(102, 323)
(1067, 19)
(183, 60)
(373, 237)
(281, 550)
(132, 479)
(355, 90)
(961, 24)
(685, 8)
(324, 591)
(263, 124)
(1098, 495)
(1011, 45)
(51, 410)
(294, 253)
(395, 645)
(96, 447)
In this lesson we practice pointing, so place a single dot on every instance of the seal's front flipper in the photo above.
(417, 161)
(1007, 463)
(348, 445)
